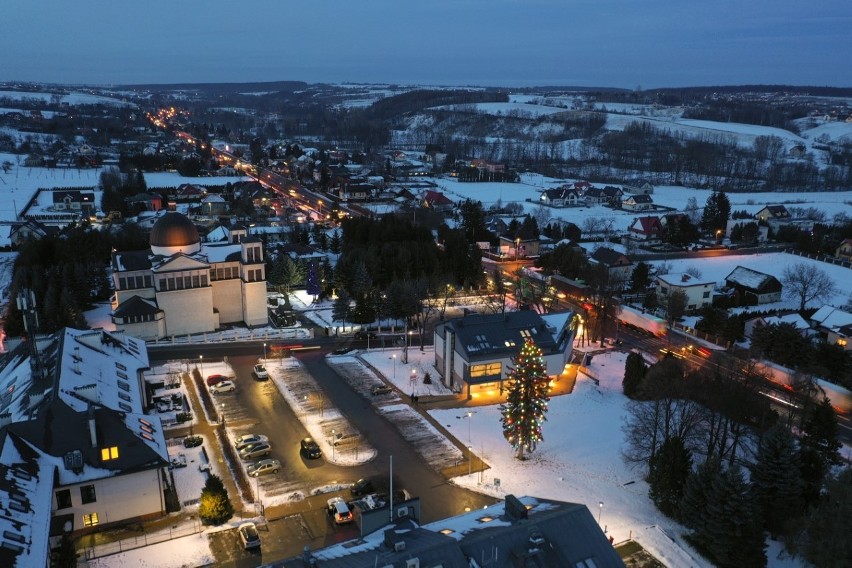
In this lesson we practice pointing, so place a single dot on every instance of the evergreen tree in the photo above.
(776, 480)
(634, 372)
(341, 308)
(731, 532)
(826, 535)
(640, 278)
(335, 244)
(215, 506)
(313, 287)
(696, 495)
(669, 469)
(819, 447)
(526, 400)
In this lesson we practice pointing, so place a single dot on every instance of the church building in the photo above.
(183, 286)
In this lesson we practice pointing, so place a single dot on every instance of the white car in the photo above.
(249, 535)
(224, 386)
(246, 439)
(338, 509)
(260, 371)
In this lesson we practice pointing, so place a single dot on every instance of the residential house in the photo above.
(647, 229)
(594, 196)
(214, 206)
(753, 287)
(496, 225)
(520, 531)
(437, 201)
(772, 213)
(609, 195)
(77, 451)
(844, 250)
(520, 247)
(793, 319)
(563, 196)
(82, 202)
(698, 291)
(22, 231)
(639, 202)
(474, 354)
(834, 325)
(145, 202)
(618, 265)
(639, 187)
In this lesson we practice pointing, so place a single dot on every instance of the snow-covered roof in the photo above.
(684, 280)
(26, 491)
(832, 318)
(101, 367)
(748, 278)
(795, 320)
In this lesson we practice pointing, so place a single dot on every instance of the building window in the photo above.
(109, 453)
(171, 283)
(204, 280)
(87, 494)
(486, 370)
(162, 283)
(148, 281)
(707, 294)
(90, 520)
(122, 283)
(195, 280)
(63, 499)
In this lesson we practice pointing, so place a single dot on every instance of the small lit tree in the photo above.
(526, 400)
(215, 506)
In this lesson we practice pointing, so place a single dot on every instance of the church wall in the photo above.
(254, 304)
(227, 298)
(145, 330)
(122, 295)
(187, 311)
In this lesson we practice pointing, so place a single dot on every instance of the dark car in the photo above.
(365, 334)
(310, 448)
(362, 487)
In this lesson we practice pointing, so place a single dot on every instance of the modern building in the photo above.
(474, 354)
(77, 451)
(517, 532)
(182, 286)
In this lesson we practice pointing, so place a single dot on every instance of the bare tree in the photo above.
(807, 283)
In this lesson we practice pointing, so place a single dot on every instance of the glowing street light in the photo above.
(394, 366)
(201, 364)
(600, 508)
(264, 351)
(332, 445)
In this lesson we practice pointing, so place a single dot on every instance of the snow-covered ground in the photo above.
(580, 461)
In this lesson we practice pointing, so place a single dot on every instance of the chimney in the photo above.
(92, 431)
(684, 278)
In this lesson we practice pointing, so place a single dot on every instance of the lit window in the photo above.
(90, 520)
(109, 453)
(485, 370)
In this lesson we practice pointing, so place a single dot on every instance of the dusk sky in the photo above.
(609, 43)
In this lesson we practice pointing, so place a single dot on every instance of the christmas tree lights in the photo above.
(525, 409)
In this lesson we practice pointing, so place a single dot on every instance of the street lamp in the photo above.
(469, 416)
(517, 247)
(201, 364)
(394, 366)
(600, 508)
(469, 460)
(264, 351)
(223, 414)
(332, 445)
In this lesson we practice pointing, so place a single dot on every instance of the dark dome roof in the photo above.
(174, 230)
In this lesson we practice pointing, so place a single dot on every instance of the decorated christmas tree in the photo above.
(313, 286)
(526, 400)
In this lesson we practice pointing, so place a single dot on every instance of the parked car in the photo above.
(380, 388)
(339, 510)
(224, 386)
(260, 372)
(164, 406)
(258, 450)
(310, 448)
(263, 467)
(249, 535)
(247, 439)
(362, 334)
(215, 379)
(192, 441)
(362, 487)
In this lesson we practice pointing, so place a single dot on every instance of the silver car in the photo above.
(258, 450)
(247, 439)
(263, 467)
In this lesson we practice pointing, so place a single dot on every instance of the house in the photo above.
(753, 287)
(794, 319)
(844, 250)
(639, 202)
(22, 231)
(594, 196)
(82, 202)
(834, 325)
(474, 354)
(772, 213)
(618, 265)
(639, 187)
(77, 450)
(437, 201)
(563, 196)
(609, 195)
(520, 531)
(145, 202)
(698, 291)
(519, 247)
(647, 229)
(196, 287)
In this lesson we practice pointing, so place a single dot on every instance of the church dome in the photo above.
(174, 233)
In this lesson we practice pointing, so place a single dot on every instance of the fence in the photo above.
(265, 334)
(139, 541)
(821, 258)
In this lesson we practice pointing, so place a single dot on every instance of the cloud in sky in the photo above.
(619, 43)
